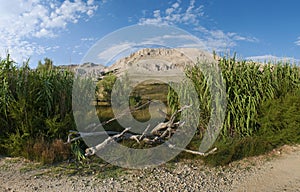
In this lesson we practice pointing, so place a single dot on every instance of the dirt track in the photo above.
(281, 174)
(277, 171)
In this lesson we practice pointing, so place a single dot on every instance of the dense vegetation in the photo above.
(263, 104)
(35, 111)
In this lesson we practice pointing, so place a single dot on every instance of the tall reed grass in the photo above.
(34, 103)
(248, 86)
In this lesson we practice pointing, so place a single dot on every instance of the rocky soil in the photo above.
(277, 171)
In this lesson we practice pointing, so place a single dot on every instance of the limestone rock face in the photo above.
(149, 62)
(86, 69)
(160, 64)
(161, 60)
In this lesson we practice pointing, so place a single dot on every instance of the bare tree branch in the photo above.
(144, 133)
(87, 134)
(191, 151)
(159, 134)
(92, 150)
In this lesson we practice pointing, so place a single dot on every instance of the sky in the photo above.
(66, 30)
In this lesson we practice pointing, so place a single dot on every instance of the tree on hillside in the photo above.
(47, 65)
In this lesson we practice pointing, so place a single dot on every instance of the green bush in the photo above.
(280, 119)
(279, 124)
(105, 86)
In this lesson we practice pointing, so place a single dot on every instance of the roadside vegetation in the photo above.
(263, 104)
(35, 111)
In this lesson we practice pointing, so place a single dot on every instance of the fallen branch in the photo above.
(144, 133)
(191, 151)
(159, 134)
(81, 135)
(169, 124)
(92, 150)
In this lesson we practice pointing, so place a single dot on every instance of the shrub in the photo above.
(279, 121)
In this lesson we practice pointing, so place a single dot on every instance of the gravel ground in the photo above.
(277, 171)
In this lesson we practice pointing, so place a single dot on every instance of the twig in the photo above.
(144, 133)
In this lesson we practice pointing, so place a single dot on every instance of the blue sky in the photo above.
(64, 30)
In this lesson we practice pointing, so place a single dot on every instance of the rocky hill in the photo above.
(156, 62)
(90, 69)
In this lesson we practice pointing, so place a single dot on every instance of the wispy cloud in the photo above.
(114, 52)
(272, 59)
(298, 41)
(176, 15)
(219, 40)
(21, 21)
(88, 39)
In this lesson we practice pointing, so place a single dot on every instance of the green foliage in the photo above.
(7, 69)
(122, 90)
(76, 149)
(134, 100)
(172, 98)
(105, 86)
(279, 122)
(33, 104)
(232, 149)
(248, 86)
(48, 65)
(262, 108)
(280, 119)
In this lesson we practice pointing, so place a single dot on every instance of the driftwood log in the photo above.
(159, 134)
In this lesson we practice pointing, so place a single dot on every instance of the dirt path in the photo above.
(277, 171)
(282, 174)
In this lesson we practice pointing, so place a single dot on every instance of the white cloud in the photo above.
(88, 39)
(90, 2)
(113, 51)
(52, 48)
(43, 33)
(298, 41)
(174, 15)
(191, 15)
(23, 20)
(219, 40)
(175, 5)
(272, 59)
(176, 40)
(169, 10)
